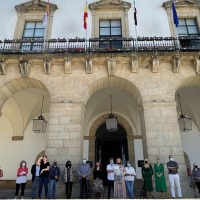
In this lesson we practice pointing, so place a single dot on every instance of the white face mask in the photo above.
(171, 159)
(84, 161)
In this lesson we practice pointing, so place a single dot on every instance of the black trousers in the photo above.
(69, 189)
(198, 186)
(110, 184)
(23, 185)
(84, 186)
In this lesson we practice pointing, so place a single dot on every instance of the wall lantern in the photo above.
(40, 124)
(111, 121)
(185, 123)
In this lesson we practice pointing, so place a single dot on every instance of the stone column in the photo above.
(163, 138)
(64, 135)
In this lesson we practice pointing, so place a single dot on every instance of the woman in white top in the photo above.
(129, 178)
(21, 178)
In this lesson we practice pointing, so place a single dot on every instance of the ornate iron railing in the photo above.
(100, 45)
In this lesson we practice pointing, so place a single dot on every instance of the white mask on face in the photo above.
(84, 161)
(171, 159)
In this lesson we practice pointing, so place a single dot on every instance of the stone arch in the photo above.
(190, 81)
(42, 153)
(113, 81)
(17, 85)
(124, 123)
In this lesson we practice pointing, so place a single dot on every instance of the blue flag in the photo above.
(175, 17)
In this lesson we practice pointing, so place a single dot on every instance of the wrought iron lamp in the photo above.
(111, 121)
(40, 124)
(185, 123)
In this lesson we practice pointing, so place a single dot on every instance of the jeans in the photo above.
(52, 189)
(172, 178)
(198, 186)
(110, 184)
(69, 189)
(84, 186)
(43, 180)
(23, 185)
(129, 185)
(35, 185)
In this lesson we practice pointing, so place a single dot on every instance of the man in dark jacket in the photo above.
(54, 174)
(196, 175)
(35, 171)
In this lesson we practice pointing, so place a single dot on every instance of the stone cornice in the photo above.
(182, 4)
(35, 5)
(110, 4)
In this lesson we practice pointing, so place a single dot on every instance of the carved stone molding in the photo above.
(24, 67)
(197, 65)
(68, 66)
(3, 66)
(47, 66)
(134, 64)
(176, 63)
(88, 65)
(155, 64)
(111, 66)
(15, 138)
(182, 3)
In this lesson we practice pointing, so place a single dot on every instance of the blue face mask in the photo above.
(111, 162)
(128, 165)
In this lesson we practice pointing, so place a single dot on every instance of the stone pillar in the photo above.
(64, 135)
(163, 138)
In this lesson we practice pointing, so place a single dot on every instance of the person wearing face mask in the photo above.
(172, 166)
(147, 175)
(69, 176)
(196, 175)
(110, 176)
(21, 179)
(129, 179)
(44, 175)
(84, 175)
(54, 174)
(160, 178)
(119, 180)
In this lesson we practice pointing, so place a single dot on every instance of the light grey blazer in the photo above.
(72, 174)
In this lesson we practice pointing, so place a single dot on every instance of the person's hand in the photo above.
(152, 178)
(41, 172)
(56, 177)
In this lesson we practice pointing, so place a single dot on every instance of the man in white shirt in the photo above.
(110, 176)
(129, 178)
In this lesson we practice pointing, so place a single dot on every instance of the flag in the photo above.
(85, 16)
(175, 17)
(135, 16)
(46, 15)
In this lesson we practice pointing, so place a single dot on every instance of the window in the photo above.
(110, 29)
(33, 31)
(188, 27)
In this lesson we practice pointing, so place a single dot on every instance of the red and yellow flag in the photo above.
(46, 15)
(85, 16)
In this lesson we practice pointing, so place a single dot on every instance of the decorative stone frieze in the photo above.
(155, 64)
(88, 65)
(197, 65)
(176, 63)
(134, 64)
(3, 66)
(47, 66)
(68, 66)
(24, 67)
(111, 66)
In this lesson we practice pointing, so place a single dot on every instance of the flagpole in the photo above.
(45, 24)
(135, 28)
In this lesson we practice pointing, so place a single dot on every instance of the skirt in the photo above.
(97, 186)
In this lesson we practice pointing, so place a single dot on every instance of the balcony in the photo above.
(100, 45)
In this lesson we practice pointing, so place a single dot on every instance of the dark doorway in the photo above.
(110, 144)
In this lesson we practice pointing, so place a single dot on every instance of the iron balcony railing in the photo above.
(100, 45)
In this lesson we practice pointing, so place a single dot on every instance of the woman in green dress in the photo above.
(160, 178)
(147, 175)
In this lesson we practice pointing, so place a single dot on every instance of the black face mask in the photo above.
(69, 165)
(146, 162)
(55, 164)
(196, 166)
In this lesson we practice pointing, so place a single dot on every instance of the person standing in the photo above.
(189, 176)
(129, 179)
(147, 175)
(174, 176)
(54, 174)
(44, 175)
(196, 175)
(21, 179)
(69, 176)
(35, 171)
(110, 176)
(119, 181)
(84, 174)
(160, 178)
(97, 182)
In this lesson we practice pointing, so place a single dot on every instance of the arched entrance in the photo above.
(110, 145)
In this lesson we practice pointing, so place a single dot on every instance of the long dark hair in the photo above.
(67, 164)
(23, 161)
(96, 166)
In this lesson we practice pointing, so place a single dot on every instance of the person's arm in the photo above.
(26, 170)
(79, 171)
(94, 172)
(168, 166)
(142, 172)
(108, 170)
(39, 161)
(47, 168)
(58, 175)
(32, 170)
(19, 172)
(51, 172)
(88, 172)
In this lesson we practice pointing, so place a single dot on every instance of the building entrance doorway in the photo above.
(110, 144)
